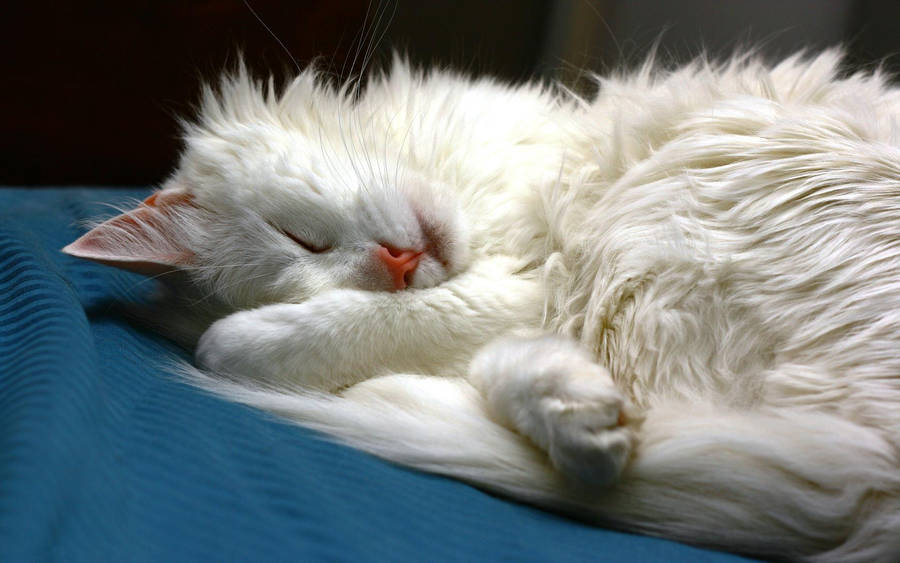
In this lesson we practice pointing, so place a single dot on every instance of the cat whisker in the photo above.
(272, 33)
(358, 41)
(363, 149)
(397, 169)
(347, 146)
(219, 288)
(376, 32)
(162, 275)
(217, 266)
(385, 178)
(326, 156)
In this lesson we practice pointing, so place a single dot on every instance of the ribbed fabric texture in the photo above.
(104, 456)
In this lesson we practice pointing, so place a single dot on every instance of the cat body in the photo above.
(673, 308)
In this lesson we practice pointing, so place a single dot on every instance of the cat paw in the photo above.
(285, 344)
(550, 390)
(252, 346)
(221, 349)
(585, 424)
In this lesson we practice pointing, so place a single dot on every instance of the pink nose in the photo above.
(399, 263)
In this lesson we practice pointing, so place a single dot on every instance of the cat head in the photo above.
(279, 197)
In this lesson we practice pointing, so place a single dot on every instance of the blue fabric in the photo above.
(105, 457)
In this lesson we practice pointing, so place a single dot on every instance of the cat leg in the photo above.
(549, 390)
(344, 336)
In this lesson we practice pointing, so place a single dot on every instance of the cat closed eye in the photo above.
(305, 244)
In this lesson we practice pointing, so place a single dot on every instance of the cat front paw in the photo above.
(585, 424)
(287, 344)
(548, 389)
(270, 345)
(226, 348)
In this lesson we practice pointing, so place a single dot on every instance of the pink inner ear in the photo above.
(144, 240)
(169, 197)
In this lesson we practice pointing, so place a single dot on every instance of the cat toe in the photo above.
(588, 441)
(593, 460)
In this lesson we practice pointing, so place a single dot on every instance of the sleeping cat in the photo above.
(673, 308)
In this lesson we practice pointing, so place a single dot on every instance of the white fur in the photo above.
(714, 250)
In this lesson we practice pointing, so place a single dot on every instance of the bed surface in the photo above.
(106, 457)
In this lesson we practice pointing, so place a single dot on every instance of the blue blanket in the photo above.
(106, 457)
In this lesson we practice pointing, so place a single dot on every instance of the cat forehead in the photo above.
(287, 175)
(255, 158)
(246, 162)
(249, 140)
(311, 108)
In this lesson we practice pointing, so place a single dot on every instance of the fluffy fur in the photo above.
(673, 308)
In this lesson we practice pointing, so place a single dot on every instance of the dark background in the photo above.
(92, 89)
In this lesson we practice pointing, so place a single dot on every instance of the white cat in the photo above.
(674, 308)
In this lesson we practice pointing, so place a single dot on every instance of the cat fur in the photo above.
(673, 308)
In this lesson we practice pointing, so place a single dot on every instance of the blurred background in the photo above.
(93, 89)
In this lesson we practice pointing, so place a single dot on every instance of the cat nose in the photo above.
(400, 263)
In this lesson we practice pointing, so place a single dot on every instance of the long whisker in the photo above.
(272, 33)
(161, 275)
(212, 294)
(365, 127)
(384, 157)
(354, 84)
(373, 45)
(327, 156)
(400, 151)
(358, 41)
(217, 266)
(347, 146)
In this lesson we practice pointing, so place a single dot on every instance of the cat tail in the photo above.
(436, 425)
(797, 485)
(787, 484)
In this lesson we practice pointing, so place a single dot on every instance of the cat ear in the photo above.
(148, 239)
